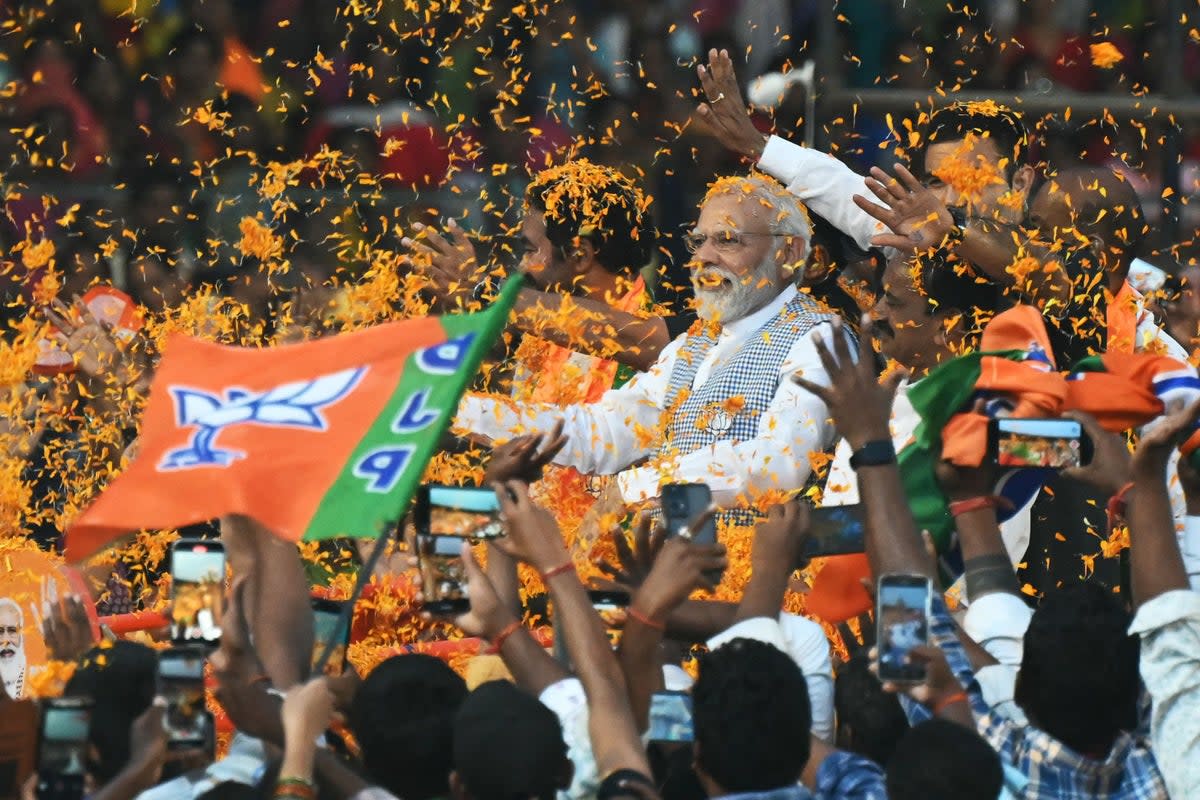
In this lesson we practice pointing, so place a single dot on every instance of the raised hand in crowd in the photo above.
(635, 561)
(1111, 467)
(89, 340)
(308, 711)
(917, 217)
(66, 628)
(940, 692)
(777, 552)
(524, 458)
(148, 754)
(241, 685)
(725, 112)
(453, 269)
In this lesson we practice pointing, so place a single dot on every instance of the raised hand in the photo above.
(681, 567)
(940, 683)
(725, 112)
(533, 535)
(1111, 464)
(488, 615)
(779, 539)
(88, 340)
(1161, 438)
(453, 269)
(918, 219)
(634, 563)
(308, 710)
(525, 457)
(859, 404)
(66, 628)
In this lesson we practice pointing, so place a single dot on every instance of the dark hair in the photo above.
(752, 717)
(871, 721)
(951, 284)
(840, 251)
(583, 200)
(1106, 207)
(403, 718)
(122, 680)
(507, 745)
(957, 121)
(939, 760)
(1079, 673)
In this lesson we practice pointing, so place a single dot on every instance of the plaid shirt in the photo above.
(1129, 772)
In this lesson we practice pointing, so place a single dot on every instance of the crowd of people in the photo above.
(704, 301)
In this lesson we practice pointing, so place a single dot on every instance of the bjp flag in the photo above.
(315, 440)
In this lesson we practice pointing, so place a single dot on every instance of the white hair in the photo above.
(791, 216)
(8, 602)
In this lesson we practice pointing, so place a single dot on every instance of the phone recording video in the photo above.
(181, 683)
(1043, 443)
(197, 591)
(681, 504)
(902, 611)
(327, 615)
(611, 606)
(62, 748)
(469, 512)
(835, 531)
(443, 575)
(671, 717)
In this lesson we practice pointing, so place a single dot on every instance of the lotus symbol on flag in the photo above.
(292, 405)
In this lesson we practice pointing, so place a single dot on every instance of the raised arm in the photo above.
(535, 537)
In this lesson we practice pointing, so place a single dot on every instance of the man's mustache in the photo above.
(7, 652)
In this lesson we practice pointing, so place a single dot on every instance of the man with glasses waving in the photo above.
(718, 406)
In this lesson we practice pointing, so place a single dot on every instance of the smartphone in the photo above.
(62, 747)
(443, 576)
(1043, 443)
(835, 531)
(902, 614)
(187, 722)
(326, 616)
(469, 512)
(197, 591)
(671, 717)
(611, 607)
(682, 503)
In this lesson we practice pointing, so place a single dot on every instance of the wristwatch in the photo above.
(959, 215)
(873, 454)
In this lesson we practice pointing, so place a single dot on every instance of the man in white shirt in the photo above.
(718, 406)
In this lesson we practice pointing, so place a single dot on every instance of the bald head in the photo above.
(1098, 204)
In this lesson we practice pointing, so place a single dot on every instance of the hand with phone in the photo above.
(533, 534)
(902, 608)
(682, 566)
(1017, 443)
(939, 684)
(486, 616)
(1111, 465)
(197, 591)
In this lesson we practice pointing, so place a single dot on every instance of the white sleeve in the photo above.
(826, 186)
(795, 424)
(568, 701)
(1189, 548)
(997, 622)
(602, 437)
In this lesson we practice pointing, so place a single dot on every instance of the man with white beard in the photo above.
(718, 406)
(12, 648)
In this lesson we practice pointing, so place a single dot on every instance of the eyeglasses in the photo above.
(724, 241)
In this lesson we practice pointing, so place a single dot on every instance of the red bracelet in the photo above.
(949, 700)
(961, 507)
(561, 569)
(503, 635)
(649, 622)
(1116, 504)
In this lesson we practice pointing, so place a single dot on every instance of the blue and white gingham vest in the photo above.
(752, 373)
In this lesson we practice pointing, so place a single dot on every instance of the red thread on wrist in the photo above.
(502, 637)
(646, 620)
(561, 569)
(960, 507)
(949, 700)
(1116, 504)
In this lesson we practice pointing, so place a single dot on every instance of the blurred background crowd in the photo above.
(136, 135)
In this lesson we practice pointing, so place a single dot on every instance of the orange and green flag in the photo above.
(315, 440)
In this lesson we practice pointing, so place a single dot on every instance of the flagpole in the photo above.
(347, 615)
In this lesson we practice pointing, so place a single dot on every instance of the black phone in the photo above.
(62, 747)
(197, 591)
(443, 575)
(835, 531)
(187, 722)
(681, 504)
(671, 717)
(1042, 443)
(469, 512)
(327, 614)
(902, 608)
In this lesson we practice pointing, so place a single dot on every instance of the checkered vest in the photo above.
(706, 415)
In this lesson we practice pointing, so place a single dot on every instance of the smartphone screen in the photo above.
(835, 531)
(326, 616)
(197, 591)
(902, 612)
(469, 512)
(181, 683)
(1045, 443)
(671, 717)
(682, 503)
(443, 576)
(62, 750)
